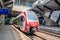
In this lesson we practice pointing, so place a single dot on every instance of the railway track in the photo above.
(50, 32)
(40, 36)
(35, 37)
(47, 36)
(31, 36)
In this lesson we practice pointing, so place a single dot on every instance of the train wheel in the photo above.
(32, 30)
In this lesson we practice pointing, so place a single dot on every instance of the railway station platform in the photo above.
(9, 32)
(6, 33)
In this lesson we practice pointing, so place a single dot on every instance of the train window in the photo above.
(22, 18)
(19, 21)
(31, 16)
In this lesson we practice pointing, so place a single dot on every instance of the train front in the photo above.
(32, 23)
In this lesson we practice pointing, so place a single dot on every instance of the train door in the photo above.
(22, 22)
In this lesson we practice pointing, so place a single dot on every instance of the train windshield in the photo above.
(31, 16)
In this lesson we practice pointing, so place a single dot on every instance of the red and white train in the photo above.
(28, 22)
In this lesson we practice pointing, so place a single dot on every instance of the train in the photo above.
(27, 21)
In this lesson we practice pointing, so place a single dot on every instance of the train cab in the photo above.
(28, 22)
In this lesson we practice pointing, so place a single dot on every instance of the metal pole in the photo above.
(2, 19)
(2, 16)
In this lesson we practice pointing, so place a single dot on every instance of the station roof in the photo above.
(47, 5)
